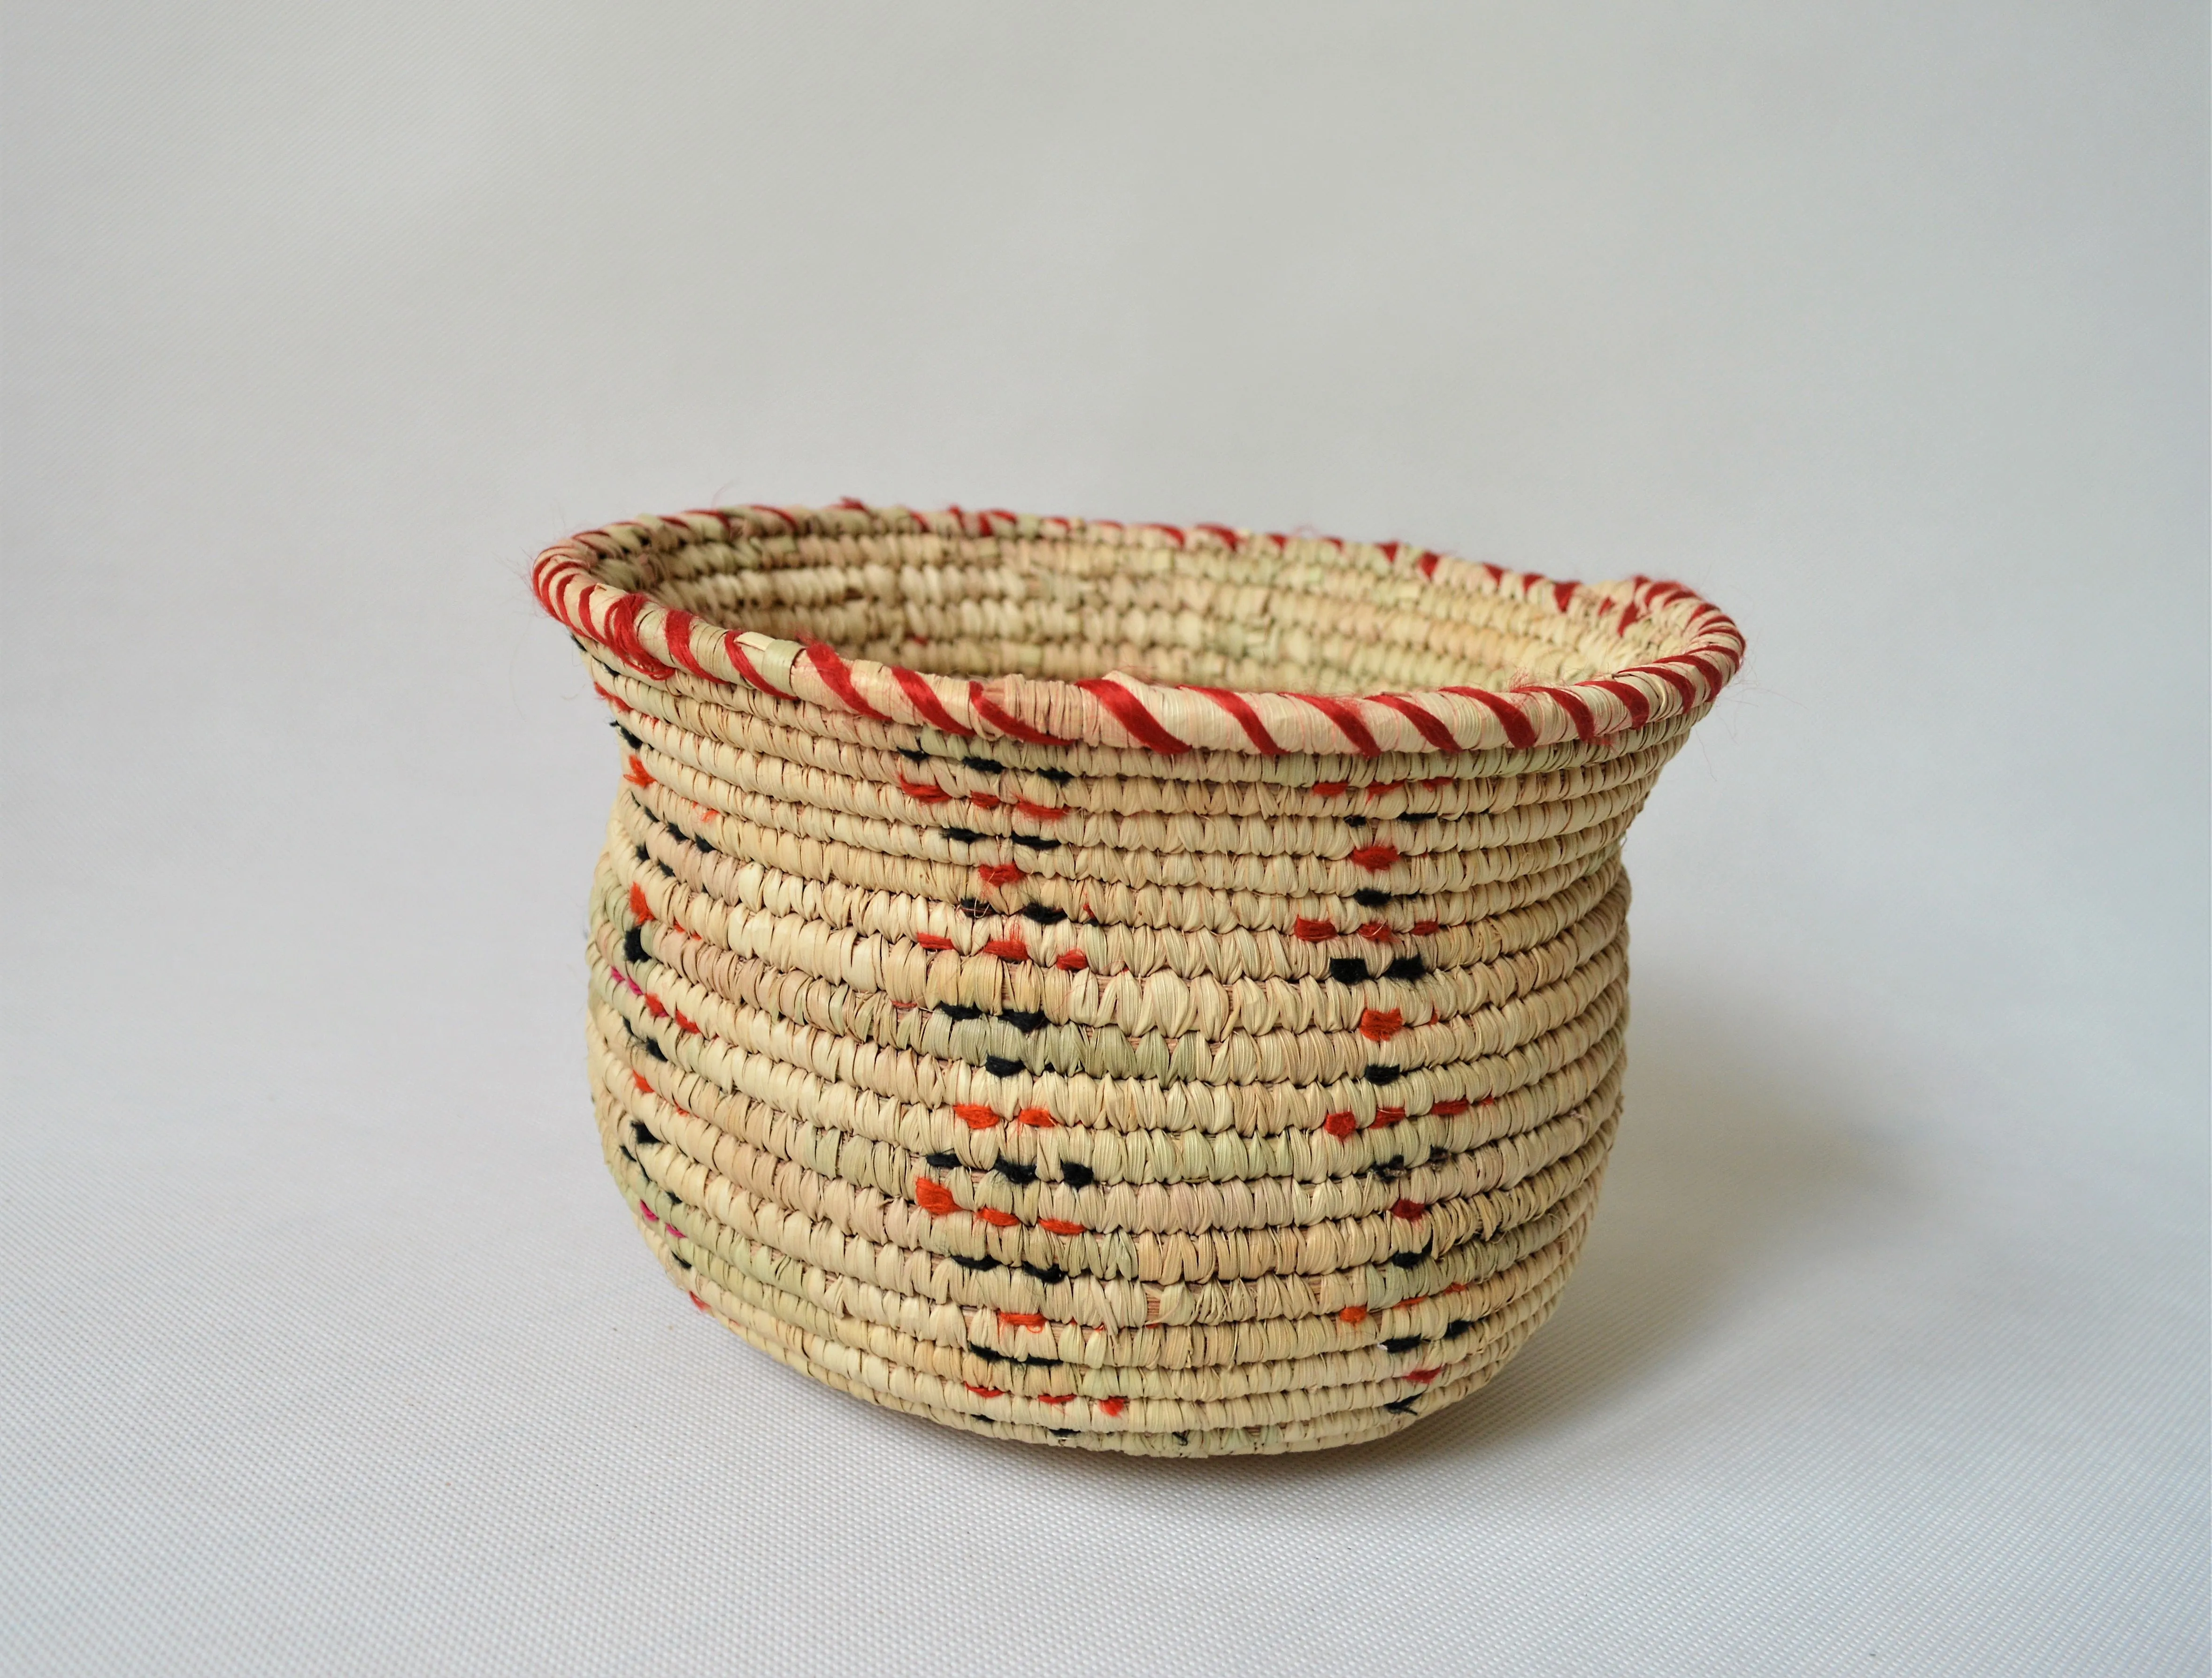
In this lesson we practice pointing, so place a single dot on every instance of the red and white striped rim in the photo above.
(1122, 711)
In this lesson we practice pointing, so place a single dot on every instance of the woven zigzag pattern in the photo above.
(1145, 989)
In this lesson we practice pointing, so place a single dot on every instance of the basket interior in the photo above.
(1315, 619)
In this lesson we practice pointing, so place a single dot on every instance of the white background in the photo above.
(324, 1346)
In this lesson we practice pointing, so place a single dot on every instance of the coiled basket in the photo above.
(1154, 990)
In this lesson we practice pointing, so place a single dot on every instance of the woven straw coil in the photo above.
(1155, 989)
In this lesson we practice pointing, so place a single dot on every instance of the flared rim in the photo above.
(1690, 650)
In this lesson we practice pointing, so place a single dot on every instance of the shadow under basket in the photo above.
(1158, 990)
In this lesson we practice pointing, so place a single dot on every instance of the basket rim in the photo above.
(1120, 710)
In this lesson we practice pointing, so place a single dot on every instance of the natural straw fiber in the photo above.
(1155, 989)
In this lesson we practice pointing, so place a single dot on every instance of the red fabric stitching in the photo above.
(1432, 728)
(735, 649)
(1247, 719)
(1346, 720)
(1130, 712)
(677, 634)
(924, 699)
(1520, 733)
(982, 705)
(837, 676)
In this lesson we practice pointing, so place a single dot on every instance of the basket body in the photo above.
(1018, 998)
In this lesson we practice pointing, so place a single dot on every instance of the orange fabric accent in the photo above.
(1036, 1117)
(1377, 1026)
(1375, 859)
(984, 801)
(1031, 1320)
(975, 1115)
(1313, 932)
(927, 790)
(1038, 812)
(1352, 1314)
(1059, 1226)
(996, 1219)
(1411, 1212)
(1007, 949)
(638, 905)
(1329, 789)
(933, 941)
(655, 1006)
(636, 774)
(1070, 961)
(643, 1088)
(933, 1198)
(1378, 932)
(999, 873)
(1113, 1407)
(1339, 1125)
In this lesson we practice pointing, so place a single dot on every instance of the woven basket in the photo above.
(1036, 1015)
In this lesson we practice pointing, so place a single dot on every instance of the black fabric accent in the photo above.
(1051, 1276)
(1456, 1326)
(1383, 1075)
(1355, 821)
(1014, 1171)
(634, 944)
(943, 1160)
(1371, 897)
(640, 1135)
(1347, 969)
(1413, 817)
(986, 1353)
(682, 1262)
(976, 909)
(914, 754)
(699, 844)
(975, 1264)
(965, 836)
(628, 738)
(1062, 1433)
(643, 854)
(961, 1011)
(1402, 1407)
(1030, 841)
(1024, 1020)
(1406, 967)
(1044, 915)
(1410, 1261)
(1001, 1066)
(1401, 1343)
(986, 765)
(652, 1048)
(1076, 1174)
(1058, 777)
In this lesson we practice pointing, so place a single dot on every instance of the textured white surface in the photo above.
(324, 1346)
